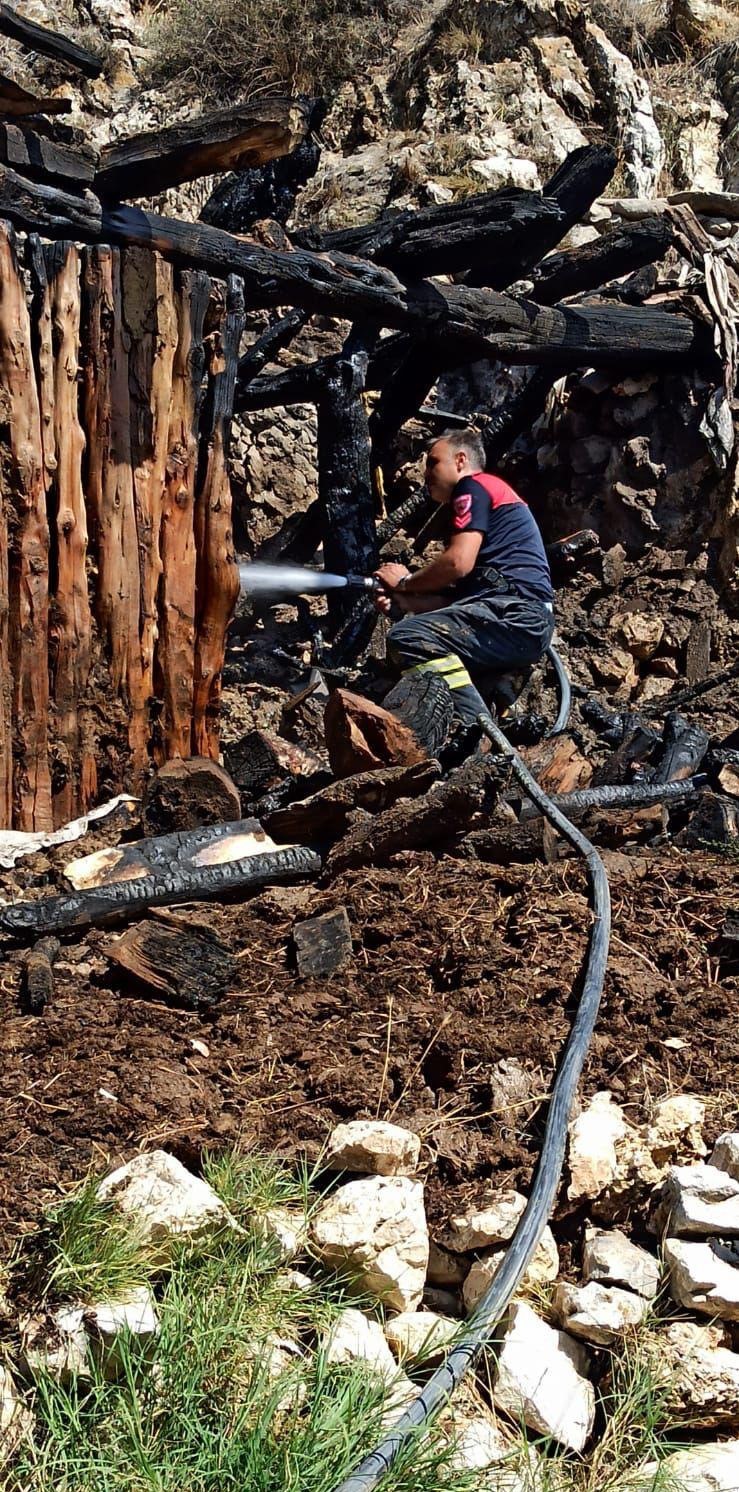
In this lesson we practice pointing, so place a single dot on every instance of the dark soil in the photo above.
(455, 965)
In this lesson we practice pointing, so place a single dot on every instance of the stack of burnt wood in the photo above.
(421, 292)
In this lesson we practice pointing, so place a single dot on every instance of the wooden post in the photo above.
(177, 595)
(70, 625)
(150, 320)
(344, 477)
(217, 575)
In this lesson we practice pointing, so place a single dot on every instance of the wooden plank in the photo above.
(217, 583)
(618, 253)
(25, 547)
(70, 626)
(232, 139)
(177, 591)
(187, 966)
(37, 156)
(18, 103)
(49, 43)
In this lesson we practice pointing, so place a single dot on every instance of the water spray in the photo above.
(299, 580)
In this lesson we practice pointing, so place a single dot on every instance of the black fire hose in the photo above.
(565, 692)
(484, 1322)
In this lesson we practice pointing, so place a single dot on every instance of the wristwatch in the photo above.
(402, 583)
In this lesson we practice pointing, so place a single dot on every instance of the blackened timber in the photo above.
(40, 158)
(485, 323)
(277, 336)
(517, 414)
(593, 264)
(18, 103)
(404, 392)
(224, 140)
(344, 476)
(49, 43)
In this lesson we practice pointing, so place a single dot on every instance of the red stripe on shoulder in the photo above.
(500, 494)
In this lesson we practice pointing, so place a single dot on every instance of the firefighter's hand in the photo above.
(388, 576)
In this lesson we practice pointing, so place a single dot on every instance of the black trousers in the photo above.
(497, 633)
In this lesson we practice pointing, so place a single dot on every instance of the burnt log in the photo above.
(277, 336)
(49, 43)
(414, 824)
(566, 555)
(713, 825)
(18, 103)
(639, 746)
(680, 697)
(223, 140)
(575, 271)
(260, 761)
(625, 795)
(186, 794)
(38, 975)
(557, 764)
(517, 414)
(361, 735)
(127, 899)
(267, 191)
(509, 843)
(323, 944)
(40, 158)
(344, 476)
(326, 813)
(190, 967)
(684, 747)
(185, 850)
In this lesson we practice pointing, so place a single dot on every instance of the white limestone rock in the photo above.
(702, 1468)
(112, 1327)
(420, 1336)
(285, 1231)
(600, 1314)
(493, 1221)
(725, 1154)
(56, 1344)
(700, 1281)
(374, 1231)
(676, 1129)
(541, 1380)
(697, 1201)
(701, 1373)
(16, 1422)
(543, 1268)
(373, 1147)
(164, 1201)
(354, 1337)
(445, 1271)
(593, 1138)
(612, 1259)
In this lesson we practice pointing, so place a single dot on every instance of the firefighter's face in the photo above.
(444, 467)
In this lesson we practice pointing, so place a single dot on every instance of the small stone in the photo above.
(543, 1268)
(541, 1380)
(16, 1422)
(353, 1337)
(56, 1345)
(447, 1271)
(701, 1374)
(420, 1337)
(600, 1314)
(696, 1201)
(675, 1131)
(163, 1200)
(614, 565)
(375, 1232)
(493, 1221)
(284, 1230)
(374, 1147)
(700, 1281)
(725, 1154)
(702, 1468)
(112, 1323)
(641, 632)
(612, 1259)
(593, 1137)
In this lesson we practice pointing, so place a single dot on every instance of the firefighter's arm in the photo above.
(457, 560)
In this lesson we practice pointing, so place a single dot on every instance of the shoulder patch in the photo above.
(462, 510)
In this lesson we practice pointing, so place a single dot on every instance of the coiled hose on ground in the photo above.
(565, 692)
(482, 1326)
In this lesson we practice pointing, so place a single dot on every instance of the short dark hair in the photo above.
(466, 440)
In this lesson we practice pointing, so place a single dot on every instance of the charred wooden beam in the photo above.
(266, 191)
(624, 795)
(485, 323)
(517, 414)
(344, 476)
(124, 900)
(684, 747)
(38, 974)
(593, 264)
(244, 135)
(36, 156)
(326, 813)
(186, 966)
(18, 103)
(49, 43)
(277, 336)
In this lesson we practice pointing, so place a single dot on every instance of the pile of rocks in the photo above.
(370, 1230)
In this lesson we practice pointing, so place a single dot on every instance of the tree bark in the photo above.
(110, 492)
(24, 573)
(217, 573)
(177, 610)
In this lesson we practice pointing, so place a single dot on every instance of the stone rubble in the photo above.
(600, 1314)
(541, 1379)
(493, 1221)
(354, 1337)
(725, 1154)
(164, 1201)
(612, 1259)
(701, 1372)
(420, 1337)
(16, 1421)
(702, 1468)
(544, 1268)
(700, 1281)
(113, 1326)
(373, 1147)
(697, 1201)
(374, 1231)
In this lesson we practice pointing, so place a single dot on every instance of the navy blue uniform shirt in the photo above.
(511, 542)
